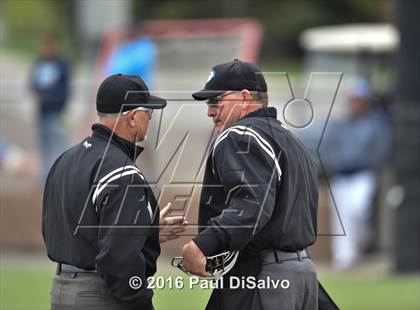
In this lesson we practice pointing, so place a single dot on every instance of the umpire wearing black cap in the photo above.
(259, 197)
(100, 217)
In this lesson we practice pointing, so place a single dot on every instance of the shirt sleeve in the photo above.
(248, 169)
(125, 223)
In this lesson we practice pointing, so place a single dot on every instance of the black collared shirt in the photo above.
(99, 213)
(260, 189)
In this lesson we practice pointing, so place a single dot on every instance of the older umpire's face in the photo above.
(228, 107)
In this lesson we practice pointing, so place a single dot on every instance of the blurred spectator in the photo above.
(351, 151)
(136, 55)
(50, 79)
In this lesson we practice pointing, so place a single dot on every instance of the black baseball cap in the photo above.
(233, 75)
(120, 93)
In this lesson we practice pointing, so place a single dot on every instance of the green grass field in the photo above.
(29, 289)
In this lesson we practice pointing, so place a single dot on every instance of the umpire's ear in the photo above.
(131, 118)
(246, 95)
(248, 100)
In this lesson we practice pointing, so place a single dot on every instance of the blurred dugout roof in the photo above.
(374, 38)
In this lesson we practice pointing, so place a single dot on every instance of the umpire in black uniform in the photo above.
(259, 197)
(100, 217)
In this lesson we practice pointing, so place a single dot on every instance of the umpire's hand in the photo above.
(194, 260)
(170, 226)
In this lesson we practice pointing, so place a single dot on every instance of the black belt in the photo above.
(64, 268)
(277, 256)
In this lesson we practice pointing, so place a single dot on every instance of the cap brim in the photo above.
(154, 102)
(205, 94)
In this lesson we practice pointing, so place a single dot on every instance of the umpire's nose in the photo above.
(211, 111)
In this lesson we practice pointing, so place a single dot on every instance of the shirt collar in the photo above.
(103, 132)
(263, 112)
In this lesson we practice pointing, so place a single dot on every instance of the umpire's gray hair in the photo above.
(108, 115)
(261, 97)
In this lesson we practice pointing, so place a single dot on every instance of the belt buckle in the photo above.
(58, 270)
(276, 257)
(299, 256)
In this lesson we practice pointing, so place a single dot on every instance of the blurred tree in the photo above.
(283, 20)
(407, 141)
(27, 20)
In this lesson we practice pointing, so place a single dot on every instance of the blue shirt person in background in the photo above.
(136, 55)
(50, 82)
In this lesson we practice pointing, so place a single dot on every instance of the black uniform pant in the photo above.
(83, 291)
(287, 285)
